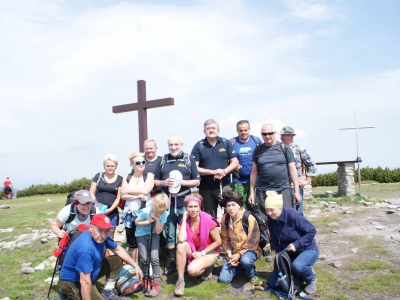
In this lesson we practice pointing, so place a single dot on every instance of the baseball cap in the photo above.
(101, 221)
(177, 181)
(83, 196)
(287, 130)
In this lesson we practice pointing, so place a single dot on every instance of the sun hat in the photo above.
(177, 181)
(101, 221)
(287, 130)
(83, 196)
(273, 200)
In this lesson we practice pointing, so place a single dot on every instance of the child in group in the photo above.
(150, 222)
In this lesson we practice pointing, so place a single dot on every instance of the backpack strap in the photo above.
(129, 177)
(98, 179)
(72, 213)
(186, 159)
(255, 140)
(245, 221)
(233, 141)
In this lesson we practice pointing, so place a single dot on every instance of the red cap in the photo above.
(102, 221)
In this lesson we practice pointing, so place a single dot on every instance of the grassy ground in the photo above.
(30, 213)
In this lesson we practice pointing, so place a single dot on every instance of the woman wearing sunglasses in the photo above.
(105, 190)
(135, 189)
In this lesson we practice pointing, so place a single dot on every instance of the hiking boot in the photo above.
(112, 295)
(254, 278)
(207, 275)
(179, 288)
(171, 267)
(155, 289)
(146, 286)
(311, 287)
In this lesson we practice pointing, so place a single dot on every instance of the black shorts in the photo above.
(130, 236)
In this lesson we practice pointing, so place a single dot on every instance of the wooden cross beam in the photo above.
(141, 106)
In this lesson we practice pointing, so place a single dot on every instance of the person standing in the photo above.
(302, 158)
(106, 188)
(244, 145)
(175, 161)
(150, 155)
(273, 163)
(215, 159)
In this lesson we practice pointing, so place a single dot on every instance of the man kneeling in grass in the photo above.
(85, 263)
(242, 249)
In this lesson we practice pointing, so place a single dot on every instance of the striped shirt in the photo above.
(234, 238)
(301, 155)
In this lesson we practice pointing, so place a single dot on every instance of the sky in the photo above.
(309, 64)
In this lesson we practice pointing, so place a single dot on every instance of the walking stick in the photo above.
(176, 224)
(147, 279)
(51, 283)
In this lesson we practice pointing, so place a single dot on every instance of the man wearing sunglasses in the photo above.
(306, 167)
(273, 163)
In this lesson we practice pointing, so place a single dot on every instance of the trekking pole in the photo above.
(149, 256)
(167, 235)
(176, 225)
(51, 283)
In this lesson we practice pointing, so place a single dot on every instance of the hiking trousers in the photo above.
(110, 267)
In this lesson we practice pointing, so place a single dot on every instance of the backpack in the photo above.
(283, 264)
(65, 242)
(264, 241)
(186, 159)
(283, 148)
(121, 204)
(72, 213)
(127, 283)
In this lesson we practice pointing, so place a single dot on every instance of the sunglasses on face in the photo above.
(268, 133)
(138, 163)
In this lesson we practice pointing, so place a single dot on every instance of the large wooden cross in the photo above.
(141, 106)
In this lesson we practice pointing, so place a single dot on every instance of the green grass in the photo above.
(380, 283)
(367, 265)
(374, 246)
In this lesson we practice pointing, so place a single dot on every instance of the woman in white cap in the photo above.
(135, 189)
(198, 242)
(80, 211)
(290, 230)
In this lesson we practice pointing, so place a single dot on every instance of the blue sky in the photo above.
(307, 64)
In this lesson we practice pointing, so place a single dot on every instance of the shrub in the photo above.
(45, 189)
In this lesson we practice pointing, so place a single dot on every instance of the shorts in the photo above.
(114, 218)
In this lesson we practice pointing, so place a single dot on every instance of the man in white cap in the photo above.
(85, 263)
(175, 175)
(306, 167)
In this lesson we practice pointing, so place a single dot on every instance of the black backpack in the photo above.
(283, 264)
(72, 213)
(264, 241)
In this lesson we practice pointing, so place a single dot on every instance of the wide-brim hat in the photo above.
(176, 187)
(287, 130)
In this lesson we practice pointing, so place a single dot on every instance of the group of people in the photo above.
(157, 204)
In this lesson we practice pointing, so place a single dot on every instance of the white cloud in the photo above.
(312, 10)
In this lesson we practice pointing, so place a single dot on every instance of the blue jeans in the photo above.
(301, 206)
(172, 221)
(229, 273)
(301, 266)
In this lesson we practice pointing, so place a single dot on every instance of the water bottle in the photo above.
(103, 209)
(282, 281)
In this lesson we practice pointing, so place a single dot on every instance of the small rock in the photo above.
(6, 230)
(333, 224)
(39, 267)
(48, 280)
(51, 212)
(6, 298)
(329, 193)
(336, 264)
(48, 200)
(379, 227)
(26, 264)
(347, 212)
(396, 237)
(315, 211)
(392, 206)
(322, 257)
(389, 212)
(354, 250)
(4, 206)
(335, 231)
(27, 270)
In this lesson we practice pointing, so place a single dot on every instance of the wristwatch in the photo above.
(203, 252)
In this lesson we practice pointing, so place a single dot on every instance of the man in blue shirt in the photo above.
(175, 160)
(244, 145)
(85, 263)
(215, 159)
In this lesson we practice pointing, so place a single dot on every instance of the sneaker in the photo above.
(146, 286)
(179, 288)
(112, 295)
(311, 287)
(207, 275)
(171, 267)
(155, 289)
(254, 278)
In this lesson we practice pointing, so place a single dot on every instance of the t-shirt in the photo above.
(272, 167)
(212, 158)
(64, 213)
(196, 236)
(85, 255)
(106, 193)
(134, 204)
(244, 151)
(7, 183)
(177, 163)
(143, 215)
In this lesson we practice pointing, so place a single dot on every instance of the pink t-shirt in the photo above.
(196, 236)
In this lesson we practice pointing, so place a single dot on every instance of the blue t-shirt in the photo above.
(244, 151)
(143, 215)
(272, 167)
(85, 255)
(177, 163)
(212, 158)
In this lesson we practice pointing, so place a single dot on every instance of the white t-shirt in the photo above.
(63, 216)
(134, 205)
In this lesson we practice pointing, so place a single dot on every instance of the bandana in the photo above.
(191, 199)
(236, 200)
